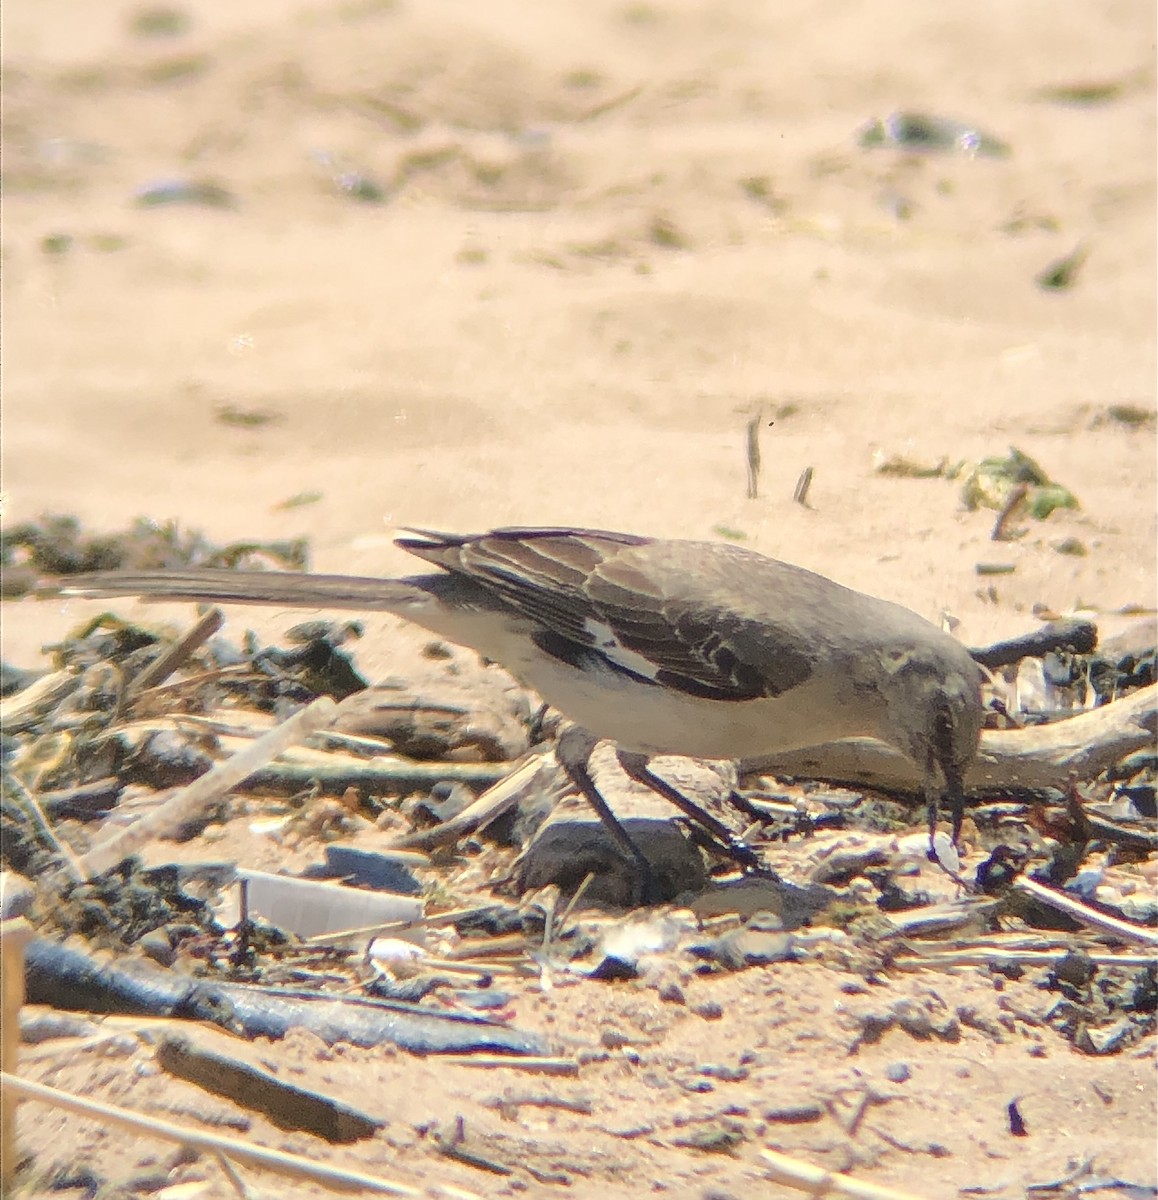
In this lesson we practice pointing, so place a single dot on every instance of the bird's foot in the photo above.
(718, 837)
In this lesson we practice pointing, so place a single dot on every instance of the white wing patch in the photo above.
(611, 647)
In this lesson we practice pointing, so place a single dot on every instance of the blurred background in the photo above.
(323, 269)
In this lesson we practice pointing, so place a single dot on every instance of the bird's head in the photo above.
(934, 710)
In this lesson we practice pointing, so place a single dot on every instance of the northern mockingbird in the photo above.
(664, 647)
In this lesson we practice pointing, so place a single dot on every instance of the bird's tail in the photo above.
(282, 589)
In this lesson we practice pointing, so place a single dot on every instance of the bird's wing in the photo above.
(595, 593)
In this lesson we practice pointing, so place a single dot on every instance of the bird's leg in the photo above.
(932, 810)
(573, 751)
(637, 767)
(954, 796)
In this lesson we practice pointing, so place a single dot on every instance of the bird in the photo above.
(663, 646)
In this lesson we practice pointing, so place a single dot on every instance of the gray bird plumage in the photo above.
(679, 647)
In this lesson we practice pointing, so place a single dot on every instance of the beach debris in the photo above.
(663, 232)
(994, 479)
(625, 947)
(1073, 634)
(285, 1104)
(67, 978)
(311, 908)
(381, 870)
(451, 1142)
(317, 658)
(459, 716)
(298, 500)
(160, 21)
(16, 895)
(503, 794)
(1063, 272)
(901, 466)
(292, 1166)
(915, 131)
(572, 842)
(761, 940)
(762, 190)
(1132, 416)
(358, 185)
(169, 193)
(245, 418)
(1013, 502)
(56, 544)
(190, 802)
(752, 447)
(1083, 93)
(57, 243)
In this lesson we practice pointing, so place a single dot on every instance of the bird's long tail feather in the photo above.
(284, 589)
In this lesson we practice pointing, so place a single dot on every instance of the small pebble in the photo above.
(16, 895)
(194, 192)
(724, 1073)
(794, 1114)
(898, 1072)
(157, 946)
(1076, 969)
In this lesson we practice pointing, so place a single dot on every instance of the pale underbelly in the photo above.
(657, 720)
(652, 719)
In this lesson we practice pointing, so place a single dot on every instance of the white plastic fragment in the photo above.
(310, 907)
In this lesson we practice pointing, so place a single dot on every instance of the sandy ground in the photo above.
(611, 232)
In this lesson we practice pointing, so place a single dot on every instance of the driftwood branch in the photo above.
(1069, 633)
(1042, 756)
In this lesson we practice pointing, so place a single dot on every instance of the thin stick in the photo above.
(231, 1173)
(364, 933)
(291, 1165)
(978, 956)
(191, 801)
(800, 495)
(167, 662)
(1088, 916)
(14, 936)
(32, 807)
(18, 712)
(820, 1183)
(540, 1066)
(753, 447)
(1012, 504)
(336, 771)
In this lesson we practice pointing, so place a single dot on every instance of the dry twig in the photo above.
(1100, 921)
(293, 1166)
(820, 1183)
(191, 801)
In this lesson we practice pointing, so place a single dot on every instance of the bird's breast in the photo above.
(655, 719)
